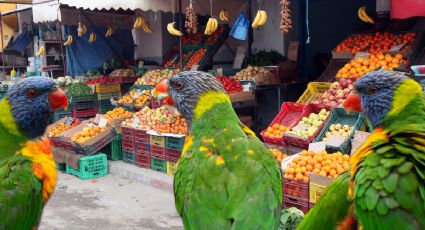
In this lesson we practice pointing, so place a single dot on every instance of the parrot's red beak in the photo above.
(353, 102)
(162, 87)
(58, 99)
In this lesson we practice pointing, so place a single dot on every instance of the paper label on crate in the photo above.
(137, 94)
(69, 120)
(397, 47)
(141, 63)
(103, 121)
(194, 67)
(300, 126)
(97, 118)
(287, 161)
(135, 123)
(362, 55)
(220, 71)
(335, 141)
(317, 147)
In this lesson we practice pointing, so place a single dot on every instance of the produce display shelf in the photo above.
(171, 168)
(127, 133)
(129, 157)
(113, 150)
(340, 116)
(142, 148)
(313, 92)
(141, 136)
(329, 75)
(128, 145)
(157, 140)
(90, 167)
(61, 114)
(87, 98)
(158, 165)
(174, 143)
(83, 105)
(85, 113)
(296, 189)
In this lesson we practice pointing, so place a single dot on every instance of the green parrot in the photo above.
(385, 187)
(27, 168)
(226, 177)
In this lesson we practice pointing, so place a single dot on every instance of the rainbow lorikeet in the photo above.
(385, 187)
(226, 178)
(27, 169)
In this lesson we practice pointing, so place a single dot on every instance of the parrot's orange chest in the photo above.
(43, 164)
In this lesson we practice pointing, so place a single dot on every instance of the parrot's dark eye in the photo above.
(54, 88)
(179, 85)
(371, 90)
(31, 93)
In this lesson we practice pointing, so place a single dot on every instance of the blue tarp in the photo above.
(82, 56)
(21, 42)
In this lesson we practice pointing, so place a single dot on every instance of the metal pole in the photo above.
(250, 29)
(181, 37)
(62, 49)
(2, 48)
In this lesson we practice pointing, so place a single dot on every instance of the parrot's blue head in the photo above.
(186, 87)
(31, 101)
(375, 92)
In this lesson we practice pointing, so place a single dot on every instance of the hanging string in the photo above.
(308, 29)
(211, 10)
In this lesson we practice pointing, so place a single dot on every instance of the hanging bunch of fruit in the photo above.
(81, 30)
(68, 41)
(109, 32)
(285, 16)
(147, 27)
(260, 19)
(224, 15)
(364, 16)
(139, 22)
(212, 26)
(41, 51)
(92, 37)
(191, 20)
(172, 30)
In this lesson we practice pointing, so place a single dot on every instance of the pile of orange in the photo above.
(360, 66)
(118, 113)
(322, 163)
(276, 131)
(278, 154)
(131, 99)
(197, 57)
(87, 133)
(58, 129)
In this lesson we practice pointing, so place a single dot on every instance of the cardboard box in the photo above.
(241, 96)
(317, 186)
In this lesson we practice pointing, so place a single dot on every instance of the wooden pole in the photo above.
(181, 37)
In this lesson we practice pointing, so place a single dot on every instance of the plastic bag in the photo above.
(240, 28)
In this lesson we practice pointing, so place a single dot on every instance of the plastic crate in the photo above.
(84, 105)
(143, 160)
(329, 75)
(301, 142)
(158, 165)
(172, 155)
(75, 99)
(129, 157)
(141, 87)
(128, 145)
(124, 80)
(171, 168)
(140, 136)
(174, 143)
(90, 167)
(316, 192)
(104, 106)
(296, 203)
(157, 140)
(339, 115)
(61, 114)
(156, 104)
(107, 96)
(61, 167)
(127, 133)
(158, 152)
(289, 115)
(108, 88)
(295, 188)
(113, 150)
(86, 113)
(142, 148)
(314, 91)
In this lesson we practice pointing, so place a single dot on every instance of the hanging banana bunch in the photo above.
(68, 41)
(260, 19)
(224, 15)
(172, 30)
(41, 51)
(139, 23)
(211, 27)
(92, 37)
(362, 14)
(147, 28)
(109, 32)
(81, 30)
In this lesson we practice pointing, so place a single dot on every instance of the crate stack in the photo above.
(296, 194)
(84, 107)
(128, 145)
(174, 148)
(113, 150)
(105, 92)
(61, 113)
(90, 167)
(158, 153)
(142, 148)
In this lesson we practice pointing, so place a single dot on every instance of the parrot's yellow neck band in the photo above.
(402, 99)
(208, 100)
(6, 117)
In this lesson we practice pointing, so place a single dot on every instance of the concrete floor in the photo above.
(109, 203)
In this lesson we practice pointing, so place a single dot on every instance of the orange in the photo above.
(344, 70)
(381, 57)
(332, 172)
(298, 170)
(399, 56)
(275, 126)
(282, 128)
(395, 61)
(270, 129)
(326, 169)
(323, 173)
(306, 179)
(291, 171)
(317, 166)
(303, 169)
(316, 171)
(299, 176)
(309, 168)
(266, 133)
(347, 66)
(366, 62)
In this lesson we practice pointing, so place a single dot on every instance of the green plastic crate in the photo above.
(61, 167)
(75, 99)
(113, 150)
(104, 106)
(90, 167)
(107, 96)
(141, 87)
(174, 143)
(340, 116)
(129, 157)
(158, 165)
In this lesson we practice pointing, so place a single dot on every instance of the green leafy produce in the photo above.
(264, 58)
(78, 90)
(290, 218)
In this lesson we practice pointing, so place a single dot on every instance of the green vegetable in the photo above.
(290, 218)
(264, 58)
(78, 90)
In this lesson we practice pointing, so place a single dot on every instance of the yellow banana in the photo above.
(208, 27)
(263, 19)
(136, 24)
(366, 16)
(68, 41)
(147, 28)
(172, 30)
(224, 15)
(360, 14)
(40, 51)
(82, 29)
(215, 25)
(109, 32)
(256, 20)
(92, 37)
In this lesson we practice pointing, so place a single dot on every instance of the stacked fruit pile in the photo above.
(153, 77)
(118, 113)
(123, 73)
(278, 155)
(87, 133)
(322, 163)
(309, 125)
(252, 73)
(196, 58)
(230, 84)
(276, 131)
(61, 127)
(339, 130)
(336, 94)
(135, 98)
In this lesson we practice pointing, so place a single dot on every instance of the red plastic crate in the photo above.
(156, 104)
(143, 161)
(142, 148)
(127, 133)
(84, 113)
(289, 115)
(173, 155)
(128, 146)
(297, 203)
(121, 79)
(298, 141)
(158, 152)
(141, 136)
(296, 189)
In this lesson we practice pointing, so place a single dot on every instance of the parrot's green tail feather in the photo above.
(331, 209)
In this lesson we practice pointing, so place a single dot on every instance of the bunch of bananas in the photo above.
(172, 30)
(224, 15)
(147, 28)
(92, 37)
(41, 51)
(139, 23)
(212, 26)
(364, 16)
(68, 41)
(82, 29)
(260, 19)
(109, 32)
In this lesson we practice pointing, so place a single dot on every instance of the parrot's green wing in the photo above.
(228, 180)
(332, 207)
(20, 194)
